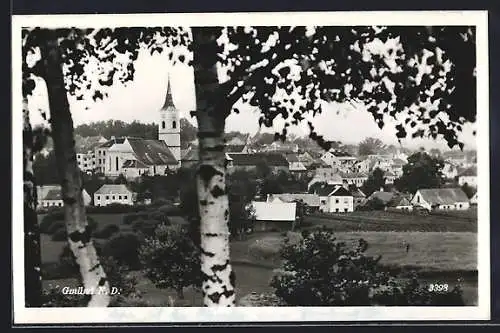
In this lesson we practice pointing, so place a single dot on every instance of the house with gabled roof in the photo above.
(310, 200)
(51, 196)
(109, 194)
(468, 176)
(241, 161)
(441, 199)
(353, 178)
(334, 198)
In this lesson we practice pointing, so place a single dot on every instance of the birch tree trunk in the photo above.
(79, 233)
(218, 277)
(32, 259)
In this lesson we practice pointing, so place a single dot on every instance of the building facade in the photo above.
(113, 194)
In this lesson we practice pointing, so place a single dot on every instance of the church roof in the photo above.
(152, 152)
(169, 101)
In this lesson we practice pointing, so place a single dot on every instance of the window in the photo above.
(116, 163)
(345, 210)
(104, 152)
(459, 205)
(174, 124)
(323, 202)
(114, 197)
(60, 204)
(125, 197)
(337, 200)
(418, 198)
(98, 197)
(346, 200)
(107, 197)
(162, 124)
(336, 210)
(119, 197)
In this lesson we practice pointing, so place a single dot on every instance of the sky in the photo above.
(142, 98)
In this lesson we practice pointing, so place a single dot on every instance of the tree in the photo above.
(375, 181)
(371, 146)
(421, 171)
(318, 270)
(171, 259)
(188, 132)
(259, 62)
(32, 259)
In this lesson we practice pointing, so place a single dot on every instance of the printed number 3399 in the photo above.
(438, 287)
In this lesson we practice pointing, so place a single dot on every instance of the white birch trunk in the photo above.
(79, 233)
(218, 278)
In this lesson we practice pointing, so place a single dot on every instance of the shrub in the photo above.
(60, 235)
(115, 209)
(145, 227)
(124, 248)
(53, 297)
(132, 217)
(319, 271)
(107, 231)
(171, 247)
(169, 210)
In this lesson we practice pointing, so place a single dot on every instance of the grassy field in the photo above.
(394, 221)
(448, 255)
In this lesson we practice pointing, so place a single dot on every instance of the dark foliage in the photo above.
(106, 232)
(59, 235)
(421, 171)
(124, 248)
(375, 182)
(320, 271)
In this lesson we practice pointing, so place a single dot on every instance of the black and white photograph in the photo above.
(205, 167)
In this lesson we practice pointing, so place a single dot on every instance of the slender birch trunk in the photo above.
(79, 233)
(218, 277)
(32, 259)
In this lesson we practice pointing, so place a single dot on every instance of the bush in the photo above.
(145, 227)
(60, 235)
(171, 247)
(115, 209)
(124, 248)
(319, 271)
(107, 231)
(132, 217)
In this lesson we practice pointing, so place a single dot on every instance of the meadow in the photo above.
(437, 256)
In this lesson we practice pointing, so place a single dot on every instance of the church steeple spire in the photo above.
(169, 101)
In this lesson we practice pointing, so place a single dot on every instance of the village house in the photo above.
(334, 198)
(450, 170)
(273, 214)
(362, 166)
(353, 178)
(325, 175)
(50, 196)
(441, 199)
(338, 159)
(468, 176)
(311, 201)
(85, 152)
(278, 146)
(306, 159)
(389, 177)
(113, 194)
(397, 167)
(241, 161)
(400, 201)
(294, 164)
(359, 198)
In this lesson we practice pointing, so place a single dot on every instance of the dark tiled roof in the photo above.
(152, 152)
(112, 142)
(292, 158)
(53, 195)
(341, 192)
(253, 159)
(358, 193)
(133, 164)
(325, 189)
(339, 153)
(443, 196)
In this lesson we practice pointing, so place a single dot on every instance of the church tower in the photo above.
(169, 129)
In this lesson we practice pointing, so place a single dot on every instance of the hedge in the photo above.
(107, 231)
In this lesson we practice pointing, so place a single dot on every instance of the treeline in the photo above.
(118, 128)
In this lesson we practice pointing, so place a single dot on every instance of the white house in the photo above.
(113, 194)
(338, 159)
(334, 198)
(294, 164)
(354, 178)
(468, 176)
(309, 199)
(441, 198)
(50, 196)
(274, 210)
(389, 177)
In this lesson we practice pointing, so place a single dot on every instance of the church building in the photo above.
(133, 157)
